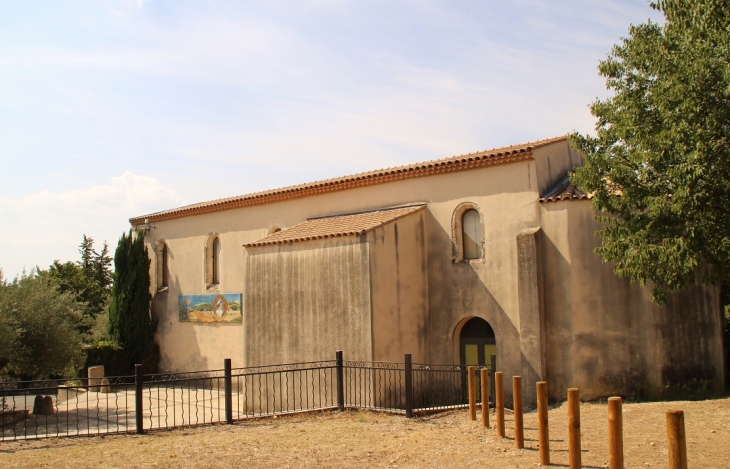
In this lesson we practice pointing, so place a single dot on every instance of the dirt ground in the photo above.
(364, 439)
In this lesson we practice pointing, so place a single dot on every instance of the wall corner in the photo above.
(532, 331)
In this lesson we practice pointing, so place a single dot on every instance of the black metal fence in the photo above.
(125, 404)
(39, 409)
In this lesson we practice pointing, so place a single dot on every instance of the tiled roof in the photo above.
(564, 190)
(341, 225)
(455, 163)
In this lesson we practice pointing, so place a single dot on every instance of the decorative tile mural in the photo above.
(210, 308)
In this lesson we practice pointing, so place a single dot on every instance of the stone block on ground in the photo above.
(105, 386)
(43, 405)
(95, 375)
(66, 393)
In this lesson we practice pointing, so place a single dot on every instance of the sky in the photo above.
(111, 109)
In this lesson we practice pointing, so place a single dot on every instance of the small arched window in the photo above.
(162, 265)
(216, 260)
(212, 260)
(471, 235)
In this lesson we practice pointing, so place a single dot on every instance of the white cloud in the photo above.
(42, 227)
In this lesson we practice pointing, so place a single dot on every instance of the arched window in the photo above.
(215, 260)
(162, 267)
(467, 233)
(471, 234)
(212, 260)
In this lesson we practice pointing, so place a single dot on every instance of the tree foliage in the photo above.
(88, 279)
(130, 322)
(38, 328)
(659, 166)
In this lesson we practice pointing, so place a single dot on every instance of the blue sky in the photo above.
(115, 108)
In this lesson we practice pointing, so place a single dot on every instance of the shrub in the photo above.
(110, 354)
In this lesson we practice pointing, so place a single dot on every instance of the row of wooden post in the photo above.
(675, 422)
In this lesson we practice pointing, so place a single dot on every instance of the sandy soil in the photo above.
(364, 439)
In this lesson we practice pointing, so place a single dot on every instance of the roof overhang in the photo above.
(337, 226)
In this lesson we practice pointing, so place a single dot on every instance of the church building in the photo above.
(452, 260)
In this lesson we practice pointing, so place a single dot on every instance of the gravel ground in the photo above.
(364, 439)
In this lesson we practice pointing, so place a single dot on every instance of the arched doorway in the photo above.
(477, 343)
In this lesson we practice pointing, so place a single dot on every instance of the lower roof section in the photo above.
(335, 226)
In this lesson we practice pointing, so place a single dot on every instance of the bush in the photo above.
(151, 359)
(110, 354)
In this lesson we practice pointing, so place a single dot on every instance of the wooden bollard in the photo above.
(615, 434)
(677, 440)
(542, 423)
(485, 397)
(517, 399)
(499, 402)
(472, 394)
(574, 455)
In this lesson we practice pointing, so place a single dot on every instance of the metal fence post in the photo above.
(227, 379)
(340, 382)
(409, 385)
(138, 377)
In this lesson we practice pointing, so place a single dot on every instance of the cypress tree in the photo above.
(130, 322)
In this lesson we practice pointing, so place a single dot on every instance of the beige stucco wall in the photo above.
(604, 335)
(399, 289)
(383, 294)
(365, 295)
(553, 162)
(306, 300)
(505, 195)
(194, 346)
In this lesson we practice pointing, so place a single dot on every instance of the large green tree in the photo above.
(38, 328)
(659, 165)
(88, 279)
(130, 322)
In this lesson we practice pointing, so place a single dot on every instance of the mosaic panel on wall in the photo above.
(210, 308)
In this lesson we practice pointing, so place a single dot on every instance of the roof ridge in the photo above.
(495, 156)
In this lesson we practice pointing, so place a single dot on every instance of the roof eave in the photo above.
(495, 157)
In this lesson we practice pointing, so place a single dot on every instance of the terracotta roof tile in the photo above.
(455, 163)
(341, 225)
(564, 190)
